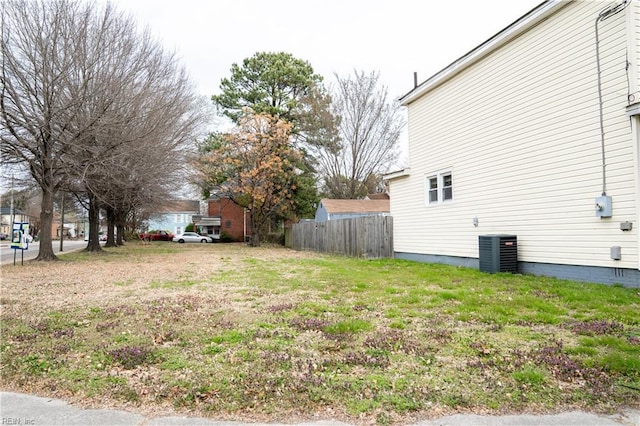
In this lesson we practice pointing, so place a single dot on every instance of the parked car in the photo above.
(192, 237)
(157, 235)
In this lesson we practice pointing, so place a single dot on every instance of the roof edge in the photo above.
(633, 109)
(397, 174)
(526, 21)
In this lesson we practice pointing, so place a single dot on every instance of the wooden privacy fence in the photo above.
(367, 236)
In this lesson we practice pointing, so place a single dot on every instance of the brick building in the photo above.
(225, 219)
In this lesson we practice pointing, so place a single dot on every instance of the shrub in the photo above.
(130, 235)
(274, 238)
(226, 238)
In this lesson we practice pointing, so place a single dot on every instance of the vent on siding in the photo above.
(498, 253)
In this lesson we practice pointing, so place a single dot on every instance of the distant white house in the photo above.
(508, 140)
(333, 209)
(174, 216)
(6, 218)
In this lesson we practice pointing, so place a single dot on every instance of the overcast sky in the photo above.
(392, 37)
(395, 38)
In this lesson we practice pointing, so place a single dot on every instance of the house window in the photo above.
(439, 188)
(447, 187)
(178, 218)
(433, 189)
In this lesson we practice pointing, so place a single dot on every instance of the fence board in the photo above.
(367, 236)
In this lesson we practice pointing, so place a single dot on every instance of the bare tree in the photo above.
(74, 76)
(49, 54)
(159, 118)
(149, 167)
(369, 130)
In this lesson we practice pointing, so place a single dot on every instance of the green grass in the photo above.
(530, 376)
(351, 326)
(229, 337)
(375, 338)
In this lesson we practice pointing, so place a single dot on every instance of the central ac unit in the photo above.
(498, 253)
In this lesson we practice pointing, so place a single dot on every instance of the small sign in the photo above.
(19, 235)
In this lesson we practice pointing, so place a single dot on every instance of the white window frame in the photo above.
(439, 190)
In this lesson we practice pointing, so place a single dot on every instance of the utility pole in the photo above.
(12, 212)
(62, 220)
(13, 221)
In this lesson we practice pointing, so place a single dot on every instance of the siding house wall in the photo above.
(321, 213)
(175, 216)
(519, 132)
(633, 36)
(6, 227)
(336, 209)
(633, 47)
(176, 222)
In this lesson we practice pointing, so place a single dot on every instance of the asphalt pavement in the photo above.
(25, 410)
(7, 253)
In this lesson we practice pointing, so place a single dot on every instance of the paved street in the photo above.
(22, 409)
(6, 253)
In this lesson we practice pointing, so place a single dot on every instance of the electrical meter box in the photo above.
(604, 207)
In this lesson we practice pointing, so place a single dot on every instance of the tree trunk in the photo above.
(111, 220)
(120, 234)
(121, 218)
(254, 241)
(46, 225)
(94, 225)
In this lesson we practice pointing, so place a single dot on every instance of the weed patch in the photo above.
(270, 331)
(130, 357)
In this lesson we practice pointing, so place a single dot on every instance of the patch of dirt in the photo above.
(111, 281)
(38, 286)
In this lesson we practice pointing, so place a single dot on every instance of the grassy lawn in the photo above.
(228, 331)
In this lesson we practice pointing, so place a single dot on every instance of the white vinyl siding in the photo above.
(633, 37)
(636, 27)
(521, 129)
